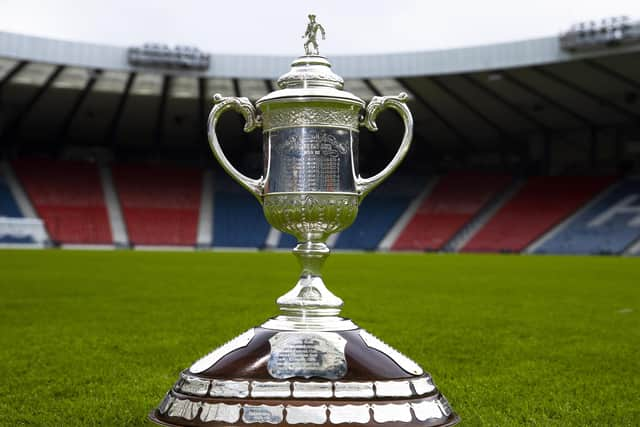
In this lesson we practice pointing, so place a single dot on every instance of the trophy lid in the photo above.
(311, 76)
(311, 71)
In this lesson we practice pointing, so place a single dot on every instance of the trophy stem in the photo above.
(310, 296)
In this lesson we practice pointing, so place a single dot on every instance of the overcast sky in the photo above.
(276, 26)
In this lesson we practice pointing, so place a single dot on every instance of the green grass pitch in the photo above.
(97, 338)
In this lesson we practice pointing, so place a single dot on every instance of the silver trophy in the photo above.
(307, 365)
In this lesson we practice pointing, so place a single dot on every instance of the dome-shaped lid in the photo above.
(311, 76)
(310, 71)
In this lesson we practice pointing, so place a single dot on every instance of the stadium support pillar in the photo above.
(201, 139)
(158, 133)
(546, 98)
(459, 136)
(66, 124)
(588, 94)
(613, 73)
(503, 136)
(7, 78)
(508, 104)
(9, 131)
(117, 115)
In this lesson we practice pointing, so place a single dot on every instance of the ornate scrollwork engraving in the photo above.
(311, 115)
(305, 214)
(324, 78)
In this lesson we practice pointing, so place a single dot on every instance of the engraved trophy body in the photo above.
(308, 365)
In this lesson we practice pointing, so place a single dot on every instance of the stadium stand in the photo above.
(454, 201)
(160, 204)
(539, 205)
(238, 221)
(379, 211)
(608, 226)
(573, 114)
(68, 196)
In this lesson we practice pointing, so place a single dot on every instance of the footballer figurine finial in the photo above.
(310, 34)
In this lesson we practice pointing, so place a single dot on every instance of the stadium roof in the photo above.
(450, 61)
(500, 98)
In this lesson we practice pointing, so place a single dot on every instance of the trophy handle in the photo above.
(253, 120)
(378, 104)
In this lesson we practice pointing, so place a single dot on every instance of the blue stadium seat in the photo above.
(287, 241)
(8, 205)
(9, 208)
(379, 212)
(238, 220)
(607, 227)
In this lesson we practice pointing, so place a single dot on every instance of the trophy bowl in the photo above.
(307, 365)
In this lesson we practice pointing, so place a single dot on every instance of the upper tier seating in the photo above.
(539, 205)
(238, 220)
(379, 211)
(160, 204)
(608, 226)
(453, 202)
(68, 196)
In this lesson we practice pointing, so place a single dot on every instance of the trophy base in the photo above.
(269, 376)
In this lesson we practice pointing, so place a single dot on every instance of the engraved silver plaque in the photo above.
(220, 412)
(184, 408)
(398, 412)
(423, 385)
(393, 389)
(313, 389)
(354, 389)
(262, 414)
(310, 159)
(307, 354)
(194, 386)
(339, 414)
(403, 361)
(166, 403)
(427, 409)
(306, 414)
(443, 403)
(210, 359)
(270, 389)
(221, 388)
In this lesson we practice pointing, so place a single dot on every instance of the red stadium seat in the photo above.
(541, 204)
(68, 196)
(160, 204)
(455, 199)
